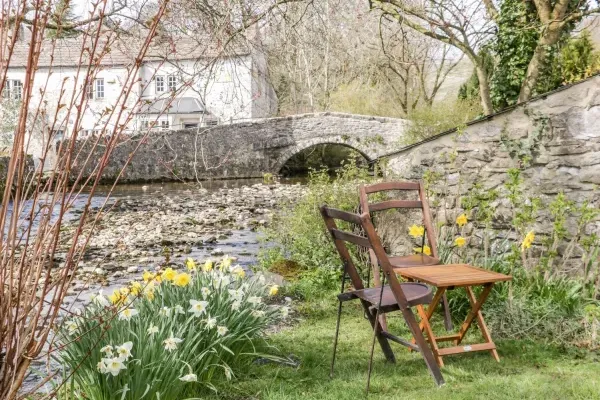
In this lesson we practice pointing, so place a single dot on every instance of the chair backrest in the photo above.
(371, 242)
(421, 203)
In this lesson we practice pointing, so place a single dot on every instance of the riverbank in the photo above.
(141, 231)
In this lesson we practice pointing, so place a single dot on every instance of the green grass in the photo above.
(527, 370)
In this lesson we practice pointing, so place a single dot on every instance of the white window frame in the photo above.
(172, 83)
(13, 89)
(99, 88)
(159, 80)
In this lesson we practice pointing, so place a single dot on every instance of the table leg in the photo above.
(480, 321)
(437, 297)
(475, 310)
(430, 335)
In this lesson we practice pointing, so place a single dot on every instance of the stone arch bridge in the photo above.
(248, 149)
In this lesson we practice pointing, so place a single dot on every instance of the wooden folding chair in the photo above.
(380, 300)
(412, 260)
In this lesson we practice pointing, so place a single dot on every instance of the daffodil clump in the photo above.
(171, 335)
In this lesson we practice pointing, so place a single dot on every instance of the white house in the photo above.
(183, 83)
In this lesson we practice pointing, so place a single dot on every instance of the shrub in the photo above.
(298, 233)
(172, 335)
(441, 116)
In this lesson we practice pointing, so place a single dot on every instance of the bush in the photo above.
(169, 337)
(298, 233)
(441, 116)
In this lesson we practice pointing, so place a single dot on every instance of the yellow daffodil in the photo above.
(426, 250)
(124, 291)
(273, 290)
(168, 274)
(460, 241)
(226, 263)
(528, 240)
(208, 266)
(136, 288)
(182, 279)
(115, 297)
(157, 279)
(190, 264)
(148, 276)
(461, 220)
(149, 291)
(239, 272)
(416, 231)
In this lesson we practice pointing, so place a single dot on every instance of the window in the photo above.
(96, 89)
(100, 88)
(13, 89)
(144, 124)
(164, 125)
(160, 84)
(172, 82)
(58, 135)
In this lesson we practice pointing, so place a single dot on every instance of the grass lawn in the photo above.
(526, 371)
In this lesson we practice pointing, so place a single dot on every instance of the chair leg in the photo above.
(377, 280)
(426, 352)
(383, 342)
(335, 340)
(375, 334)
(447, 317)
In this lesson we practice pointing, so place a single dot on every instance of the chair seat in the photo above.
(416, 293)
(413, 260)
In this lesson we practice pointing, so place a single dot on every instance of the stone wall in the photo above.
(554, 140)
(4, 161)
(247, 149)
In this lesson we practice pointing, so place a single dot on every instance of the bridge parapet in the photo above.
(247, 149)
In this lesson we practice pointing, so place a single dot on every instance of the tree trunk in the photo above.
(484, 88)
(538, 62)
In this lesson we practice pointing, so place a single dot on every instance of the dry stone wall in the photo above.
(554, 141)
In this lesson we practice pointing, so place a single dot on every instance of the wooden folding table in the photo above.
(446, 277)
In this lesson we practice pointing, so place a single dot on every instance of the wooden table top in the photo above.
(456, 275)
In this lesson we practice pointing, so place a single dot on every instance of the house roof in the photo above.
(182, 105)
(123, 51)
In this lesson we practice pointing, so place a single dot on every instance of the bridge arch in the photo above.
(299, 147)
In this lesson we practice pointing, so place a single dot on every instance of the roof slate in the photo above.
(122, 52)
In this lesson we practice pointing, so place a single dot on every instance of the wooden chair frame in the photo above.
(429, 231)
(373, 309)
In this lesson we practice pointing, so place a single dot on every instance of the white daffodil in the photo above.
(222, 330)
(178, 309)
(189, 378)
(152, 330)
(113, 365)
(171, 343)
(71, 327)
(236, 305)
(236, 295)
(165, 312)
(124, 351)
(108, 350)
(101, 300)
(258, 313)
(197, 307)
(254, 300)
(205, 292)
(127, 314)
(101, 366)
(211, 323)
(224, 281)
